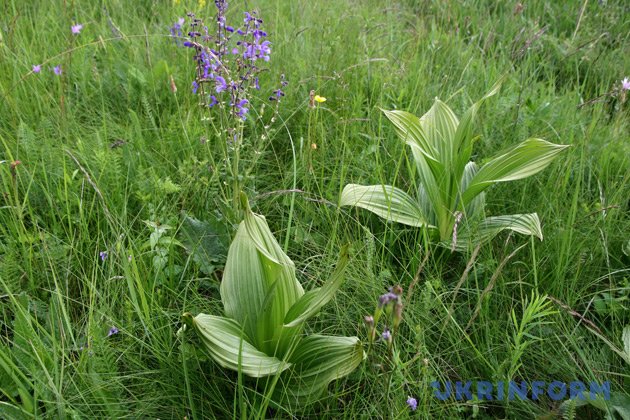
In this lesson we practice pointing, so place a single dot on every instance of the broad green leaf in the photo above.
(420, 135)
(314, 300)
(477, 205)
(230, 347)
(409, 129)
(316, 361)
(259, 284)
(439, 125)
(386, 201)
(462, 142)
(526, 224)
(528, 158)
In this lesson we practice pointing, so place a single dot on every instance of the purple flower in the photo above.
(221, 85)
(57, 70)
(37, 68)
(195, 86)
(213, 101)
(103, 255)
(241, 110)
(625, 84)
(277, 94)
(386, 335)
(256, 84)
(412, 403)
(385, 299)
(76, 29)
(188, 44)
(112, 331)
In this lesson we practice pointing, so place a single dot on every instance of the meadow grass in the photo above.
(109, 155)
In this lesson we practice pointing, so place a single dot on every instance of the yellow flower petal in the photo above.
(319, 99)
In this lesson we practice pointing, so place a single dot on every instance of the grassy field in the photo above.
(108, 176)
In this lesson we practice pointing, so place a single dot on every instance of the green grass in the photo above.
(74, 195)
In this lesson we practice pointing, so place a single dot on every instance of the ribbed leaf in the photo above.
(230, 347)
(318, 360)
(462, 144)
(259, 284)
(526, 159)
(409, 129)
(439, 125)
(477, 205)
(526, 224)
(314, 300)
(421, 135)
(386, 201)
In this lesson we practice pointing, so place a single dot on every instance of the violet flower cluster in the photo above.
(227, 59)
(390, 307)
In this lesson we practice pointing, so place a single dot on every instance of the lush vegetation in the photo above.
(120, 194)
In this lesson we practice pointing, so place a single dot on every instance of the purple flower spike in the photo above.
(412, 403)
(112, 331)
(37, 68)
(76, 29)
(58, 70)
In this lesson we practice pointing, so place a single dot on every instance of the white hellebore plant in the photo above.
(262, 332)
(450, 199)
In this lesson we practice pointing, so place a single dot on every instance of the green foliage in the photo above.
(265, 312)
(450, 194)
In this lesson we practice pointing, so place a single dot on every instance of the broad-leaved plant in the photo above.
(450, 198)
(262, 332)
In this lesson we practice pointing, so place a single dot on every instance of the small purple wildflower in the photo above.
(103, 255)
(58, 70)
(112, 331)
(213, 101)
(195, 86)
(412, 403)
(76, 29)
(188, 44)
(241, 110)
(221, 84)
(386, 335)
(256, 84)
(625, 84)
(37, 68)
(385, 299)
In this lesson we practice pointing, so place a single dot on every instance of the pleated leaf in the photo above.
(528, 158)
(259, 284)
(311, 302)
(475, 208)
(421, 134)
(463, 144)
(317, 361)
(388, 202)
(230, 347)
(526, 224)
